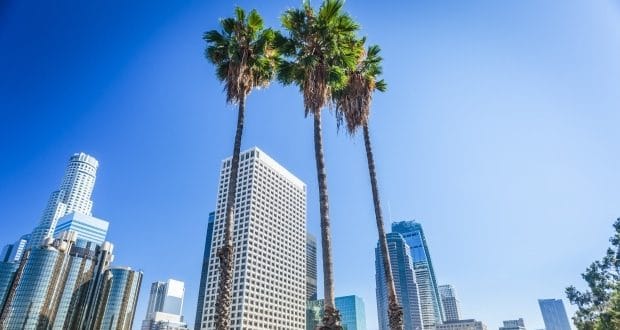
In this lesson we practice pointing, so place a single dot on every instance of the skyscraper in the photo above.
(450, 304)
(53, 284)
(351, 308)
(513, 325)
(311, 267)
(430, 304)
(117, 304)
(554, 314)
(89, 228)
(74, 195)
(269, 279)
(204, 272)
(165, 307)
(13, 252)
(404, 282)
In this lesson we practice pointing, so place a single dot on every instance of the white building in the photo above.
(165, 308)
(269, 278)
(462, 325)
(74, 195)
(451, 308)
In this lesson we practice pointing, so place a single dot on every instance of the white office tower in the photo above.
(451, 307)
(74, 195)
(165, 306)
(269, 278)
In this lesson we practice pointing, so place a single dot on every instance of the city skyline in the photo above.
(498, 127)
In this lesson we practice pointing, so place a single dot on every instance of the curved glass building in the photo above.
(117, 306)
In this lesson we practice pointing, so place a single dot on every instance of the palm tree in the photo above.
(319, 49)
(244, 58)
(353, 106)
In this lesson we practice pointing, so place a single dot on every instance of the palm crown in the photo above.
(353, 101)
(243, 54)
(319, 50)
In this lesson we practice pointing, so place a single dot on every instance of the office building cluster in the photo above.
(60, 276)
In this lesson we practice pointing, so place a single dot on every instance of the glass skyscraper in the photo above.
(430, 302)
(204, 271)
(89, 228)
(352, 313)
(13, 252)
(554, 314)
(404, 282)
(451, 308)
(117, 306)
(311, 267)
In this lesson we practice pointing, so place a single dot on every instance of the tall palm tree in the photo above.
(353, 106)
(245, 59)
(319, 49)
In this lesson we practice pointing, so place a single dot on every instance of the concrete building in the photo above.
(74, 195)
(513, 325)
(269, 240)
(462, 325)
(165, 309)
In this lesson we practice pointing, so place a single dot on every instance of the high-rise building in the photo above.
(404, 282)
(462, 325)
(451, 308)
(430, 302)
(204, 271)
(89, 228)
(351, 308)
(116, 307)
(53, 284)
(74, 195)
(7, 274)
(554, 314)
(311, 266)
(513, 325)
(165, 307)
(269, 278)
(13, 252)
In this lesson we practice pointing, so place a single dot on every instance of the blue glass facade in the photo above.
(404, 282)
(352, 313)
(204, 272)
(430, 302)
(7, 274)
(554, 314)
(118, 307)
(87, 227)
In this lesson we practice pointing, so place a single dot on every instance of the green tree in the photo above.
(353, 105)
(598, 307)
(245, 59)
(319, 49)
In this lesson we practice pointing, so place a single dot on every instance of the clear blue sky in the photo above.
(499, 133)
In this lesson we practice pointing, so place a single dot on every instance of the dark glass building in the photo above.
(311, 267)
(204, 272)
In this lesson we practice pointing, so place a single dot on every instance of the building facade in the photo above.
(74, 195)
(430, 301)
(269, 278)
(513, 325)
(462, 325)
(451, 307)
(311, 267)
(165, 309)
(13, 252)
(89, 228)
(116, 307)
(204, 271)
(554, 314)
(404, 282)
(351, 308)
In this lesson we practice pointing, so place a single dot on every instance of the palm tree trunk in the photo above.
(331, 318)
(395, 312)
(225, 253)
